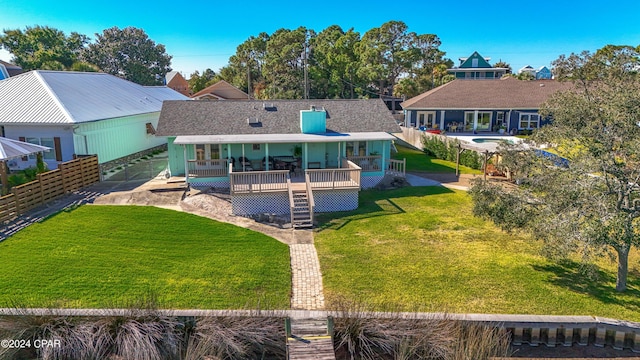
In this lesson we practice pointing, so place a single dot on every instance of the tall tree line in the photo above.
(127, 53)
(334, 63)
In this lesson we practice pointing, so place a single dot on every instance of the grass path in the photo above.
(115, 256)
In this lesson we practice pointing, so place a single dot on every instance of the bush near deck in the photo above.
(116, 256)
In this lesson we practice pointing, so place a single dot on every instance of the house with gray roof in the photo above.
(481, 105)
(263, 150)
(221, 90)
(80, 113)
(8, 69)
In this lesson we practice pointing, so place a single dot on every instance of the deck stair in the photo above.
(301, 211)
(309, 339)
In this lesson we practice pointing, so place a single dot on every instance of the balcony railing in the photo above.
(367, 163)
(208, 168)
(397, 167)
(347, 177)
(258, 181)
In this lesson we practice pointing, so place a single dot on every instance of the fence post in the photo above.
(41, 189)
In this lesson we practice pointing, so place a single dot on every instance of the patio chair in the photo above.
(264, 163)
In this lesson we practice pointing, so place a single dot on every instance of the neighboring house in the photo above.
(80, 113)
(221, 90)
(528, 69)
(174, 80)
(544, 74)
(482, 105)
(254, 147)
(476, 67)
(7, 70)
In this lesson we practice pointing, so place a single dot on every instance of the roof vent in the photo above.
(269, 107)
(253, 120)
(541, 85)
(313, 108)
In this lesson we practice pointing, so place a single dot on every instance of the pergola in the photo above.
(12, 149)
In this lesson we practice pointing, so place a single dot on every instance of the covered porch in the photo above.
(332, 160)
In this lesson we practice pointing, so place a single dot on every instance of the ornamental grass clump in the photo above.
(237, 338)
(361, 334)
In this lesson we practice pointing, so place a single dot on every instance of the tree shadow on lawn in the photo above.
(374, 203)
(594, 282)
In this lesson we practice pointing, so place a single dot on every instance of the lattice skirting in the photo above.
(335, 200)
(367, 182)
(249, 204)
(207, 184)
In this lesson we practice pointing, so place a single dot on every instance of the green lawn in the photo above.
(419, 161)
(117, 256)
(420, 248)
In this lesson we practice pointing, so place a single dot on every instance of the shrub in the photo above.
(446, 149)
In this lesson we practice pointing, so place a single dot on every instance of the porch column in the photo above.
(228, 155)
(406, 118)
(186, 164)
(509, 122)
(305, 156)
(475, 120)
(266, 157)
(442, 120)
(242, 156)
(386, 151)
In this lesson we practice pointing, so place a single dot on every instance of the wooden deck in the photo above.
(309, 339)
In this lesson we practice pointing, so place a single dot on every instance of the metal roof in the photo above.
(281, 138)
(10, 149)
(64, 97)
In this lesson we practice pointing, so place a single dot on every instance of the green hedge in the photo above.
(446, 150)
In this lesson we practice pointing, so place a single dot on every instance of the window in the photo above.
(426, 119)
(529, 121)
(500, 119)
(484, 121)
(356, 148)
(207, 151)
(51, 154)
(256, 147)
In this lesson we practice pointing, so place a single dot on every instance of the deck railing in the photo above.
(208, 168)
(397, 167)
(258, 181)
(346, 177)
(312, 202)
(367, 163)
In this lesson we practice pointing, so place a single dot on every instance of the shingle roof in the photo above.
(222, 90)
(11, 68)
(63, 97)
(507, 93)
(230, 117)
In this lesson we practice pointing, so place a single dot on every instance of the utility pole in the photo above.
(304, 66)
(248, 81)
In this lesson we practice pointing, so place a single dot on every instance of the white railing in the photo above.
(367, 163)
(207, 168)
(397, 167)
(346, 177)
(258, 181)
(312, 202)
(291, 202)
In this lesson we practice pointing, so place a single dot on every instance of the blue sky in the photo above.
(203, 34)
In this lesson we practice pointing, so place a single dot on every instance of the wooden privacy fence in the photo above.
(68, 177)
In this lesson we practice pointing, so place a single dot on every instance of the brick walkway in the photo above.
(306, 278)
